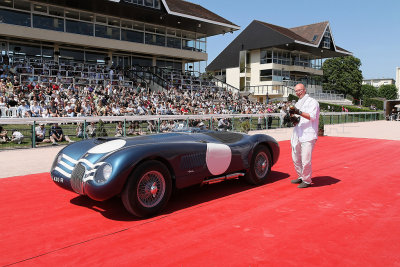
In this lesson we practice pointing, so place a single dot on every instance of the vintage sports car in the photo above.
(143, 170)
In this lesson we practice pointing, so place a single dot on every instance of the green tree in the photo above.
(388, 91)
(343, 74)
(369, 91)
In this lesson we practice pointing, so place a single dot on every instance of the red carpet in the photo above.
(349, 217)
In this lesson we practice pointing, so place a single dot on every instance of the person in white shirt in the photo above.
(17, 137)
(36, 110)
(40, 133)
(304, 136)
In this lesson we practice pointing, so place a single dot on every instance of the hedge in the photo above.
(338, 108)
(378, 103)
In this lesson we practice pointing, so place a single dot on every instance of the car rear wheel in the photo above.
(148, 189)
(260, 166)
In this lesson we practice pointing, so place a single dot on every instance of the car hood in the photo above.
(97, 148)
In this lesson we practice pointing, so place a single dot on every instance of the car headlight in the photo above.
(59, 158)
(56, 161)
(107, 170)
(103, 173)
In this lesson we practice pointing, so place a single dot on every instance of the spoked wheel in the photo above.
(260, 166)
(148, 189)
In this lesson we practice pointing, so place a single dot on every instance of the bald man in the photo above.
(304, 136)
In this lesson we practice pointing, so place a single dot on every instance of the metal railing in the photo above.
(139, 125)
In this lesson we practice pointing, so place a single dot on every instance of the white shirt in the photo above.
(307, 130)
(17, 134)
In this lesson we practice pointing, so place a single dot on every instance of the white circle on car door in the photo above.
(218, 158)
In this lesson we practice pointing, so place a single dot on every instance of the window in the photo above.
(25, 50)
(138, 26)
(101, 19)
(174, 42)
(155, 29)
(326, 43)
(56, 11)
(280, 75)
(86, 16)
(138, 61)
(47, 52)
(188, 44)
(174, 32)
(48, 23)
(132, 36)
(15, 18)
(74, 55)
(155, 39)
(22, 4)
(92, 57)
(126, 24)
(315, 38)
(72, 14)
(40, 8)
(113, 22)
(6, 3)
(166, 64)
(146, 3)
(107, 32)
(266, 75)
(78, 27)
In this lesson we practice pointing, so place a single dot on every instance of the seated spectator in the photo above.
(3, 135)
(24, 110)
(17, 137)
(134, 129)
(164, 127)
(69, 110)
(53, 110)
(36, 110)
(119, 130)
(91, 129)
(116, 111)
(151, 127)
(85, 109)
(57, 135)
(131, 129)
(223, 124)
(78, 110)
(40, 134)
(79, 130)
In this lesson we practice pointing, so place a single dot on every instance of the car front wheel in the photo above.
(148, 189)
(260, 166)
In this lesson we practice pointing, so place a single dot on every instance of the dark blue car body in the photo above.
(100, 168)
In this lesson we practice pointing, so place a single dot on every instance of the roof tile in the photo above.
(195, 10)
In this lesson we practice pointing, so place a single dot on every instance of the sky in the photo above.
(369, 29)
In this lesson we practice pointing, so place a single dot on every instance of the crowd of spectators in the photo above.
(36, 99)
(46, 98)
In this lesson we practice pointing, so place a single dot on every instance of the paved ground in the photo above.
(30, 161)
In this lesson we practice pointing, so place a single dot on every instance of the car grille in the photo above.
(77, 178)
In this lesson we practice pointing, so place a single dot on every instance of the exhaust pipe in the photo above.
(223, 178)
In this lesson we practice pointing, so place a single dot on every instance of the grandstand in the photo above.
(79, 42)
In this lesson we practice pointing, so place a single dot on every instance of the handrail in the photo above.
(36, 120)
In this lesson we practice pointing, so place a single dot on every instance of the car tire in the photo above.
(148, 189)
(260, 166)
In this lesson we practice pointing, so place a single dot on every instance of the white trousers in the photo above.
(302, 155)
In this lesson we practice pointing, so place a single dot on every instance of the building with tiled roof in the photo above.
(165, 33)
(267, 60)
